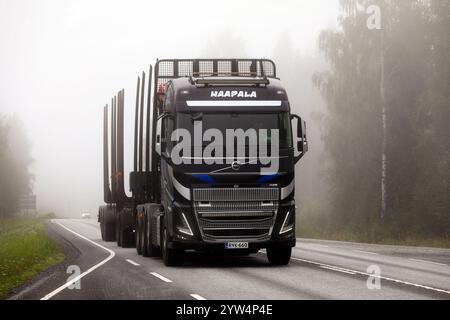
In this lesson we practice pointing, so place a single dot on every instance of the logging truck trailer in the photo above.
(213, 166)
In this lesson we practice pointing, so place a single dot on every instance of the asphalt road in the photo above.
(319, 270)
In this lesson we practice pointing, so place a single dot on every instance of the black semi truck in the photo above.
(214, 162)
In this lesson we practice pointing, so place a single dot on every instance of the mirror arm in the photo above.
(301, 135)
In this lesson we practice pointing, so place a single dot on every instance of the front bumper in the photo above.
(220, 246)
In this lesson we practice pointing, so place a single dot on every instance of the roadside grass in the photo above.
(314, 223)
(312, 232)
(25, 250)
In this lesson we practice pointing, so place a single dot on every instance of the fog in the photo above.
(61, 61)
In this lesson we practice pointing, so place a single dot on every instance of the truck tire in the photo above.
(109, 232)
(118, 232)
(149, 249)
(143, 235)
(171, 257)
(279, 256)
(107, 227)
(139, 234)
(124, 236)
(102, 225)
(127, 238)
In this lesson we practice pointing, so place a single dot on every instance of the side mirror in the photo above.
(158, 136)
(160, 142)
(301, 141)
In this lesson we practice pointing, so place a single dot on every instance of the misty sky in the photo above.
(61, 61)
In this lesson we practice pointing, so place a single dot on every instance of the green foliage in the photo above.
(25, 250)
(15, 159)
(413, 46)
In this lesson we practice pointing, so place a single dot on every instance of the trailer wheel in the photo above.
(127, 238)
(102, 226)
(138, 234)
(119, 232)
(279, 256)
(108, 231)
(143, 237)
(102, 232)
(107, 228)
(171, 257)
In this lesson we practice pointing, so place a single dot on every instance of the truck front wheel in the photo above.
(279, 256)
(171, 257)
(149, 249)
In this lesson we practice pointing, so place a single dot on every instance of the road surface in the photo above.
(319, 270)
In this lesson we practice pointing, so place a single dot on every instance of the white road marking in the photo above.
(314, 244)
(74, 280)
(132, 262)
(369, 275)
(375, 276)
(320, 245)
(430, 262)
(197, 297)
(337, 269)
(367, 252)
(160, 277)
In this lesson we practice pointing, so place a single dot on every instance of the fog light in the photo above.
(185, 228)
(286, 228)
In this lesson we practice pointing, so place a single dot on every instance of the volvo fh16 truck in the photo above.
(213, 164)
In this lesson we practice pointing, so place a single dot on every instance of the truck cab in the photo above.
(222, 191)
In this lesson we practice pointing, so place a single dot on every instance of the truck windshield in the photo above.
(244, 121)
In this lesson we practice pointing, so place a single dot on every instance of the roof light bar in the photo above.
(230, 81)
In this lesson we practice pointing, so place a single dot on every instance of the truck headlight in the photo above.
(287, 226)
(185, 228)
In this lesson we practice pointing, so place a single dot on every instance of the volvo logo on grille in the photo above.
(235, 166)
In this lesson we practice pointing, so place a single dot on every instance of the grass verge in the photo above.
(310, 228)
(25, 250)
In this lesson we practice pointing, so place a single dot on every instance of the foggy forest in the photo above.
(376, 102)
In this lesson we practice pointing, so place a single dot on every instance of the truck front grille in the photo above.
(236, 194)
(236, 213)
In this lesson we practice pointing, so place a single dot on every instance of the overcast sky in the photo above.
(61, 61)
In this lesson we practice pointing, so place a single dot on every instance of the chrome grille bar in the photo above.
(232, 206)
(235, 214)
(236, 194)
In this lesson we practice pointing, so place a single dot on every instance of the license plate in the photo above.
(236, 245)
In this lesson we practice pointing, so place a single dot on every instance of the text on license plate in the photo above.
(236, 245)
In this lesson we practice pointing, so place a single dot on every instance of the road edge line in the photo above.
(376, 276)
(74, 280)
